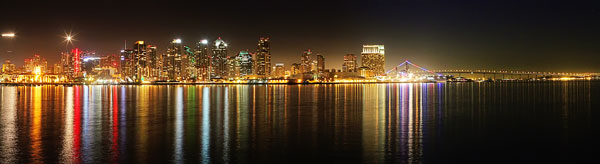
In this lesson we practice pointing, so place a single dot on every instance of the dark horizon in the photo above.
(531, 36)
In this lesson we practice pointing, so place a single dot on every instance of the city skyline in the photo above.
(439, 35)
(302, 81)
(207, 61)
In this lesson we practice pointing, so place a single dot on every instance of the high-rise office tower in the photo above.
(279, 70)
(126, 63)
(174, 53)
(164, 66)
(263, 57)
(349, 63)
(295, 68)
(152, 63)
(138, 64)
(246, 64)
(66, 64)
(306, 61)
(320, 63)
(188, 64)
(219, 59)
(373, 57)
(202, 60)
(232, 67)
(76, 60)
(8, 67)
(35, 62)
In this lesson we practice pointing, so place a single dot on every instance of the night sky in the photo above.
(513, 35)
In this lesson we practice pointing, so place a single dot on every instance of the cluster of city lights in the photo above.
(371, 74)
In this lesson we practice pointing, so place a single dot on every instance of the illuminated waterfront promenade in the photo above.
(61, 80)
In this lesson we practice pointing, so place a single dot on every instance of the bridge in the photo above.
(402, 70)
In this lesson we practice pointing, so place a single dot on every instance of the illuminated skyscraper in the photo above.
(373, 57)
(263, 57)
(306, 61)
(349, 63)
(245, 63)
(202, 60)
(295, 69)
(126, 64)
(188, 64)
(219, 59)
(8, 67)
(320, 63)
(152, 62)
(76, 61)
(279, 70)
(35, 62)
(90, 64)
(174, 65)
(138, 64)
(233, 67)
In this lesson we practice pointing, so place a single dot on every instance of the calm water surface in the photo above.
(372, 123)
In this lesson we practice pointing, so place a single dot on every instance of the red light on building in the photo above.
(76, 60)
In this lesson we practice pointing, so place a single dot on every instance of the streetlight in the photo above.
(176, 40)
(8, 35)
(69, 38)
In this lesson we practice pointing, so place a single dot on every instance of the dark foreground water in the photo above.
(372, 123)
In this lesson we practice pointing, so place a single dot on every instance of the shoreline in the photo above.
(177, 83)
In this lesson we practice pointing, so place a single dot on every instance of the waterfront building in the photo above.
(320, 60)
(71, 63)
(35, 62)
(373, 57)
(279, 70)
(173, 58)
(232, 68)
(8, 67)
(203, 62)
(245, 62)
(109, 61)
(77, 59)
(126, 64)
(138, 62)
(219, 59)
(295, 69)
(306, 61)
(66, 64)
(152, 63)
(188, 62)
(90, 64)
(349, 63)
(57, 69)
(263, 57)
(164, 67)
(366, 72)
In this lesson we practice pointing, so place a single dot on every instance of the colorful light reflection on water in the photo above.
(410, 123)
